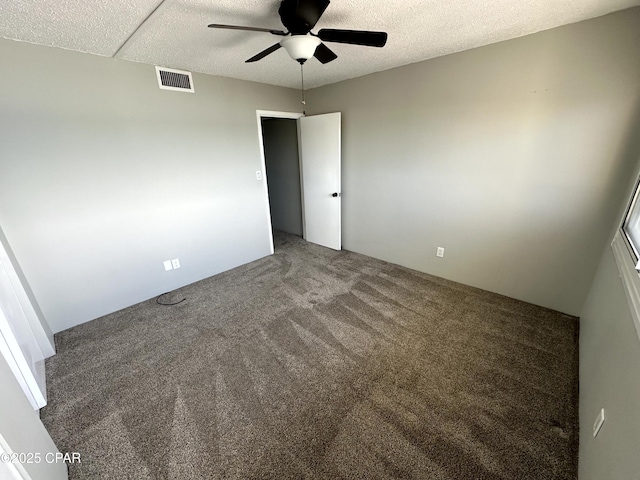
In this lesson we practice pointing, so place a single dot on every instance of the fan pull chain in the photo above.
(303, 102)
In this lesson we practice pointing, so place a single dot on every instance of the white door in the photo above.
(320, 146)
(23, 342)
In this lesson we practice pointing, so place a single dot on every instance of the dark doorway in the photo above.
(282, 162)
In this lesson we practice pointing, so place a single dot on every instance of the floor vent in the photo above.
(178, 80)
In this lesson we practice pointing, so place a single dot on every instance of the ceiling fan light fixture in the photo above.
(300, 47)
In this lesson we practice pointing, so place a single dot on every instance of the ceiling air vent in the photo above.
(170, 79)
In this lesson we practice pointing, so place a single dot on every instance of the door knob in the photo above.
(335, 194)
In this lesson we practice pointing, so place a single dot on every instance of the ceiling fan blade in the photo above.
(300, 16)
(355, 37)
(264, 53)
(324, 54)
(251, 29)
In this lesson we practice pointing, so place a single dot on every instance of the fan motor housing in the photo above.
(300, 16)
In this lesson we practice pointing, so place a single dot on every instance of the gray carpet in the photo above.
(319, 364)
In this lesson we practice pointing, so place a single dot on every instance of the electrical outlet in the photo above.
(258, 175)
(176, 263)
(440, 252)
(598, 423)
(167, 265)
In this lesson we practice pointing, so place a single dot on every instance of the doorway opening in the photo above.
(315, 186)
(282, 170)
(280, 150)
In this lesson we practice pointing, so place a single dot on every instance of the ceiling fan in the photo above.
(299, 17)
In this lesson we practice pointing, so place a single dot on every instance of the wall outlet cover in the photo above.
(176, 263)
(440, 252)
(167, 265)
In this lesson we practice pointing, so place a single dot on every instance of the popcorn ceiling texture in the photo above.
(97, 27)
(176, 34)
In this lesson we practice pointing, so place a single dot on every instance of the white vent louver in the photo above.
(178, 80)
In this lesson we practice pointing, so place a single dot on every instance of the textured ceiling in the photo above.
(174, 33)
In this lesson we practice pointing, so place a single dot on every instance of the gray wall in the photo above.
(22, 429)
(609, 379)
(507, 156)
(104, 176)
(283, 173)
(610, 367)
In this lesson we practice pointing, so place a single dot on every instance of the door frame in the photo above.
(260, 114)
(24, 343)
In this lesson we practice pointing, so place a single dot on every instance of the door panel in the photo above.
(18, 343)
(320, 147)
